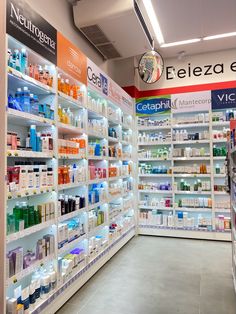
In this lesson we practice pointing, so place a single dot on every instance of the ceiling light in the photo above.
(219, 36)
(183, 42)
(153, 19)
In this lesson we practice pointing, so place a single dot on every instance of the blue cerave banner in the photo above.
(223, 98)
(153, 105)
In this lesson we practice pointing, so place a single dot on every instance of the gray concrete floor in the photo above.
(152, 275)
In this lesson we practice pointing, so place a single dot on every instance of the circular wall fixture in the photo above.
(151, 66)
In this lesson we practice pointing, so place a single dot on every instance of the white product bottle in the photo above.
(53, 278)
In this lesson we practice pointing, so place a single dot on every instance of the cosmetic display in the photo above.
(70, 159)
(189, 173)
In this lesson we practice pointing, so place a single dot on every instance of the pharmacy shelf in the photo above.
(193, 192)
(16, 78)
(221, 193)
(27, 232)
(153, 159)
(92, 133)
(156, 191)
(154, 143)
(220, 123)
(29, 192)
(93, 114)
(115, 158)
(69, 129)
(194, 233)
(193, 209)
(191, 158)
(154, 128)
(154, 175)
(98, 204)
(71, 156)
(192, 175)
(156, 208)
(66, 100)
(222, 210)
(72, 214)
(28, 154)
(117, 178)
(113, 121)
(17, 117)
(27, 271)
(191, 142)
(222, 140)
(97, 157)
(190, 125)
(97, 229)
(219, 157)
(96, 181)
(69, 245)
(219, 175)
(70, 185)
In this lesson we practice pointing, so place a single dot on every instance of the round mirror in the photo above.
(151, 67)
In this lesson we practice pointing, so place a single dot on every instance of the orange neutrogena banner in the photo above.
(70, 59)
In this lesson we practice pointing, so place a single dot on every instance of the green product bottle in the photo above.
(17, 211)
(31, 216)
(36, 216)
(25, 214)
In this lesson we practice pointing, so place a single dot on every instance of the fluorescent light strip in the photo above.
(153, 19)
(183, 42)
(219, 36)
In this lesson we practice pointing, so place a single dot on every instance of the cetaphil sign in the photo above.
(153, 105)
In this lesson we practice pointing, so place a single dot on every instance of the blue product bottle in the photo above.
(97, 150)
(18, 97)
(33, 138)
(38, 142)
(24, 60)
(97, 195)
(25, 99)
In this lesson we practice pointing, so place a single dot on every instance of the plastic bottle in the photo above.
(38, 142)
(53, 278)
(33, 138)
(25, 99)
(18, 96)
(24, 60)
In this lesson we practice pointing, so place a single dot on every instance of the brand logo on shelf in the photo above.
(104, 82)
(97, 79)
(24, 24)
(153, 105)
(199, 101)
(223, 98)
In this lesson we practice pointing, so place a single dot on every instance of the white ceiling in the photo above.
(188, 19)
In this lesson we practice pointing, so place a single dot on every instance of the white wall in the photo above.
(59, 13)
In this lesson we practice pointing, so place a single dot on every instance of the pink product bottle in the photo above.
(104, 173)
(92, 171)
(167, 203)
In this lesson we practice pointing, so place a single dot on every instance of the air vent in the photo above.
(95, 34)
(141, 19)
(109, 51)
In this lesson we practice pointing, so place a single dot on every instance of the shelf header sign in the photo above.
(100, 81)
(30, 28)
(223, 98)
(146, 106)
(70, 59)
(191, 102)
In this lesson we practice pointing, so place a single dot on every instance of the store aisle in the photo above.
(160, 276)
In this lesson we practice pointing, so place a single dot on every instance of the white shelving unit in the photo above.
(154, 215)
(111, 234)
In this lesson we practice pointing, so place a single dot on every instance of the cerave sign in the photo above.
(98, 80)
